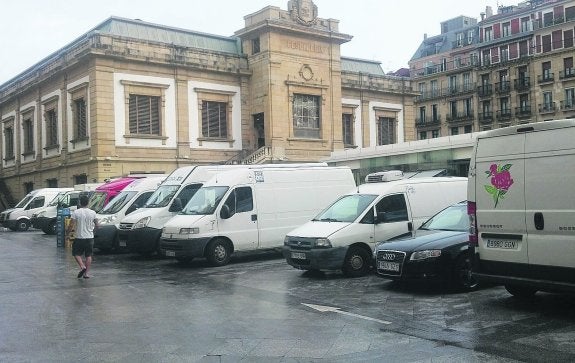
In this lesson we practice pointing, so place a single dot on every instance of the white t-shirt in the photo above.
(84, 222)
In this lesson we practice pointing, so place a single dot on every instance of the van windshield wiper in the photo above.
(329, 220)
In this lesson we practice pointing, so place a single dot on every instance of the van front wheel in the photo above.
(23, 225)
(357, 262)
(218, 252)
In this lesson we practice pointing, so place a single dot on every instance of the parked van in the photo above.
(522, 207)
(45, 218)
(250, 209)
(18, 218)
(343, 236)
(107, 191)
(130, 199)
(141, 230)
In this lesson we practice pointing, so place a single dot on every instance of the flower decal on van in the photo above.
(500, 181)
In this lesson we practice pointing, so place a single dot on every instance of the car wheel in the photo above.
(23, 225)
(218, 252)
(357, 262)
(52, 227)
(520, 291)
(461, 278)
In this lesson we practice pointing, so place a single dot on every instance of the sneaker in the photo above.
(81, 273)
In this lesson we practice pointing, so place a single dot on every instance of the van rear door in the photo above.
(500, 200)
(550, 200)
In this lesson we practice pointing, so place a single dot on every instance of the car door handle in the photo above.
(539, 221)
(254, 217)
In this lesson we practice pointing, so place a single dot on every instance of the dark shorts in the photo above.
(83, 247)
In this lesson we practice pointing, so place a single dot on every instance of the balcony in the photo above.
(523, 111)
(460, 117)
(485, 90)
(567, 105)
(428, 95)
(547, 107)
(503, 87)
(486, 117)
(522, 84)
(568, 73)
(504, 115)
(546, 78)
(427, 121)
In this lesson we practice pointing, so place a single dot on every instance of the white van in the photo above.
(522, 207)
(130, 199)
(140, 231)
(343, 236)
(250, 209)
(46, 218)
(18, 218)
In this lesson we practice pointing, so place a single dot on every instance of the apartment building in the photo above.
(509, 68)
(136, 97)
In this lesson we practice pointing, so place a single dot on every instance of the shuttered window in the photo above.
(214, 119)
(385, 131)
(347, 125)
(144, 115)
(80, 119)
(51, 128)
(9, 143)
(28, 130)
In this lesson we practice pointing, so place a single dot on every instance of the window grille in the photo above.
(306, 121)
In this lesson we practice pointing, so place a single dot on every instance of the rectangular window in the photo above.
(8, 143)
(455, 131)
(51, 183)
(51, 128)
(546, 40)
(525, 25)
(568, 38)
(80, 126)
(214, 119)
(434, 113)
(547, 101)
(504, 53)
(468, 106)
(488, 34)
(434, 134)
(546, 69)
(28, 131)
(385, 131)
(467, 129)
(569, 98)
(422, 114)
(255, 46)
(306, 111)
(548, 19)
(523, 49)
(144, 115)
(506, 29)
(570, 13)
(347, 125)
(423, 135)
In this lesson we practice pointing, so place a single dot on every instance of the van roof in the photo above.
(536, 126)
(379, 188)
(145, 183)
(116, 183)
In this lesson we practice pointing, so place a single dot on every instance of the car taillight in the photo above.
(471, 211)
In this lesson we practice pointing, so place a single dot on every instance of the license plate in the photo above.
(170, 254)
(390, 266)
(298, 255)
(122, 243)
(505, 244)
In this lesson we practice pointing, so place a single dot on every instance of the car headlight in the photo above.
(422, 255)
(194, 230)
(322, 242)
(142, 223)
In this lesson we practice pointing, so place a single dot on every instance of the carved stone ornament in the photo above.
(303, 11)
(305, 72)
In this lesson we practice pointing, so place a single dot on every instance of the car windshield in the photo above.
(205, 201)
(97, 200)
(24, 201)
(118, 202)
(453, 218)
(162, 196)
(59, 197)
(346, 209)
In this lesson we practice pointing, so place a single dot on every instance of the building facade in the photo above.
(135, 97)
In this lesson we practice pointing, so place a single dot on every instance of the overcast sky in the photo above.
(388, 31)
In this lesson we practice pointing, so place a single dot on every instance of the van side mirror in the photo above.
(176, 205)
(225, 212)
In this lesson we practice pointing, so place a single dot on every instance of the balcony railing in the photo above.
(546, 77)
(567, 105)
(485, 90)
(504, 115)
(547, 107)
(460, 116)
(522, 84)
(523, 111)
(503, 87)
(428, 95)
(427, 121)
(485, 117)
(567, 73)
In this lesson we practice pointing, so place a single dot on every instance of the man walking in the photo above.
(83, 222)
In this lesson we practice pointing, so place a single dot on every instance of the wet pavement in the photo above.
(256, 309)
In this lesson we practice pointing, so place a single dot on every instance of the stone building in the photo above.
(135, 97)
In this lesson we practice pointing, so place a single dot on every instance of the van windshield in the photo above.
(97, 200)
(118, 202)
(346, 209)
(205, 201)
(24, 201)
(162, 196)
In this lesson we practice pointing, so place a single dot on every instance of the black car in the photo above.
(438, 250)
